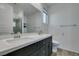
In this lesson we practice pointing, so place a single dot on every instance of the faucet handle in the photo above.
(40, 32)
(17, 35)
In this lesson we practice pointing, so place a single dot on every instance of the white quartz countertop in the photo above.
(11, 44)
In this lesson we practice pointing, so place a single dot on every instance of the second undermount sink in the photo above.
(21, 40)
(30, 37)
(18, 41)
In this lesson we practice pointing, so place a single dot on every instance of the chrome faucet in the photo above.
(18, 35)
(40, 32)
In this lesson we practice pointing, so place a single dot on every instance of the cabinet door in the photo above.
(36, 53)
(50, 46)
(50, 49)
(42, 51)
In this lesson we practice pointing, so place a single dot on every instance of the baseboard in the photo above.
(68, 51)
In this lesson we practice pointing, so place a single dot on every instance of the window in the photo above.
(45, 19)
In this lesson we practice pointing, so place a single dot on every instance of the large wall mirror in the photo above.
(21, 17)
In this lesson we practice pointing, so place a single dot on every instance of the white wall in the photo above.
(65, 14)
(35, 22)
(25, 21)
(6, 19)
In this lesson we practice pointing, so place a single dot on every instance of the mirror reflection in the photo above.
(23, 18)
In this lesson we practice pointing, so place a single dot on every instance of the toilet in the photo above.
(55, 45)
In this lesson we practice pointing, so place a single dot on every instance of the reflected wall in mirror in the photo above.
(6, 19)
(18, 25)
(45, 17)
(21, 17)
(45, 21)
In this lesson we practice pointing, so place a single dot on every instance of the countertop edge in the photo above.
(23, 45)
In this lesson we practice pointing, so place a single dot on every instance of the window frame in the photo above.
(44, 17)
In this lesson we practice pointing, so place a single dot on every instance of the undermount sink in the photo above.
(22, 40)
(30, 37)
(19, 40)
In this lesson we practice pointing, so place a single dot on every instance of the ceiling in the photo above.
(47, 5)
(26, 7)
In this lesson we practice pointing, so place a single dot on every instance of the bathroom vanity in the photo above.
(29, 46)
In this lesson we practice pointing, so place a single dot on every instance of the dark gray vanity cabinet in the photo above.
(41, 48)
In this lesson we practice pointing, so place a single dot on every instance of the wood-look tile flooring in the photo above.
(62, 52)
